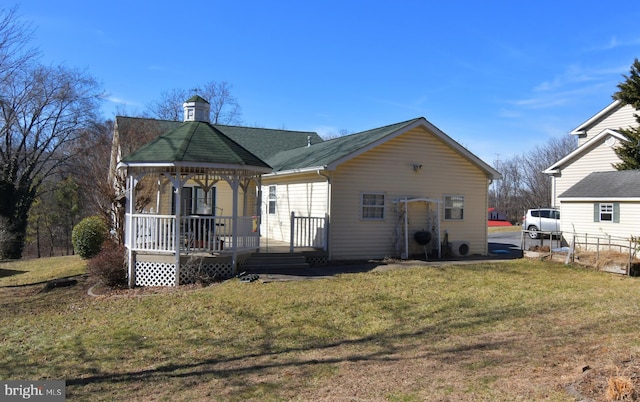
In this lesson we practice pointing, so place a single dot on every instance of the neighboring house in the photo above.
(588, 203)
(497, 218)
(603, 204)
(360, 196)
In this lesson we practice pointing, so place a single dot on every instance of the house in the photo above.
(592, 195)
(605, 204)
(497, 218)
(360, 196)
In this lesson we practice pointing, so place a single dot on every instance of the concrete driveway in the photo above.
(506, 244)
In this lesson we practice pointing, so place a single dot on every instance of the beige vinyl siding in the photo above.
(388, 169)
(621, 118)
(305, 195)
(224, 199)
(166, 193)
(579, 215)
(599, 159)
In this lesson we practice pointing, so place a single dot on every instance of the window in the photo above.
(194, 201)
(453, 207)
(372, 206)
(606, 212)
(272, 199)
(203, 202)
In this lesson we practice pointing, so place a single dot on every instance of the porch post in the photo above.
(292, 223)
(406, 228)
(130, 191)
(326, 231)
(234, 227)
(259, 210)
(176, 237)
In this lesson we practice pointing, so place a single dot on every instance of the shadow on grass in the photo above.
(233, 366)
(429, 342)
(10, 272)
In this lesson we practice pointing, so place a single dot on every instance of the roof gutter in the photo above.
(314, 169)
(598, 199)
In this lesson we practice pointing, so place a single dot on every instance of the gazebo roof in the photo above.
(195, 143)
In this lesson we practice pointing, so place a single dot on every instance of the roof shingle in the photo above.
(615, 184)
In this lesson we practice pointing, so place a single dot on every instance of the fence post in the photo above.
(326, 232)
(292, 233)
(629, 264)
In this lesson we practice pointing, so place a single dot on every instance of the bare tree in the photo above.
(537, 184)
(524, 185)
(98, 192)
(15, 37)
(169, 106)
(42, 109)
(506, 193)
(224, 106)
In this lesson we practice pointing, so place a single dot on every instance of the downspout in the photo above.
(327, 213)
(486, 223)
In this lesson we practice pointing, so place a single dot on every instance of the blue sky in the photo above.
(499, 77)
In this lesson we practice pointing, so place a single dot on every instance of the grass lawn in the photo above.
(496, 229)
(513, 330)
(40, 270)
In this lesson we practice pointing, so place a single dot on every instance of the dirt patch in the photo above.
(616, 381)
(107, 292)
(610, 261)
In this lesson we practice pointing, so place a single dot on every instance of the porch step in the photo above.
(261, 261)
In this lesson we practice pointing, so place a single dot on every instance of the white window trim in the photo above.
(606, 208)
(444, 205)
(380, 207)
(272, 198)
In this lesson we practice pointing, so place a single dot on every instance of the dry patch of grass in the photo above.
(499, 229)
(515, 330)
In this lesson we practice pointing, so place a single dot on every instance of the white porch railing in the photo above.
(308, 232)
(156, 233)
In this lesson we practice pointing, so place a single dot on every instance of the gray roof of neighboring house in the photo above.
(606, 185)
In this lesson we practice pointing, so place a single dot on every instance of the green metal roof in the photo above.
(324, 153)
(195, 142)
(197, 98)
(262, 142)
(265, 143)
(134, 132)
(281, 150)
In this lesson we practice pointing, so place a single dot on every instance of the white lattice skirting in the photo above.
(164, 274)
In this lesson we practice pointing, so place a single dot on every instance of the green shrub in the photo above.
(109, 267)
(88, 235)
